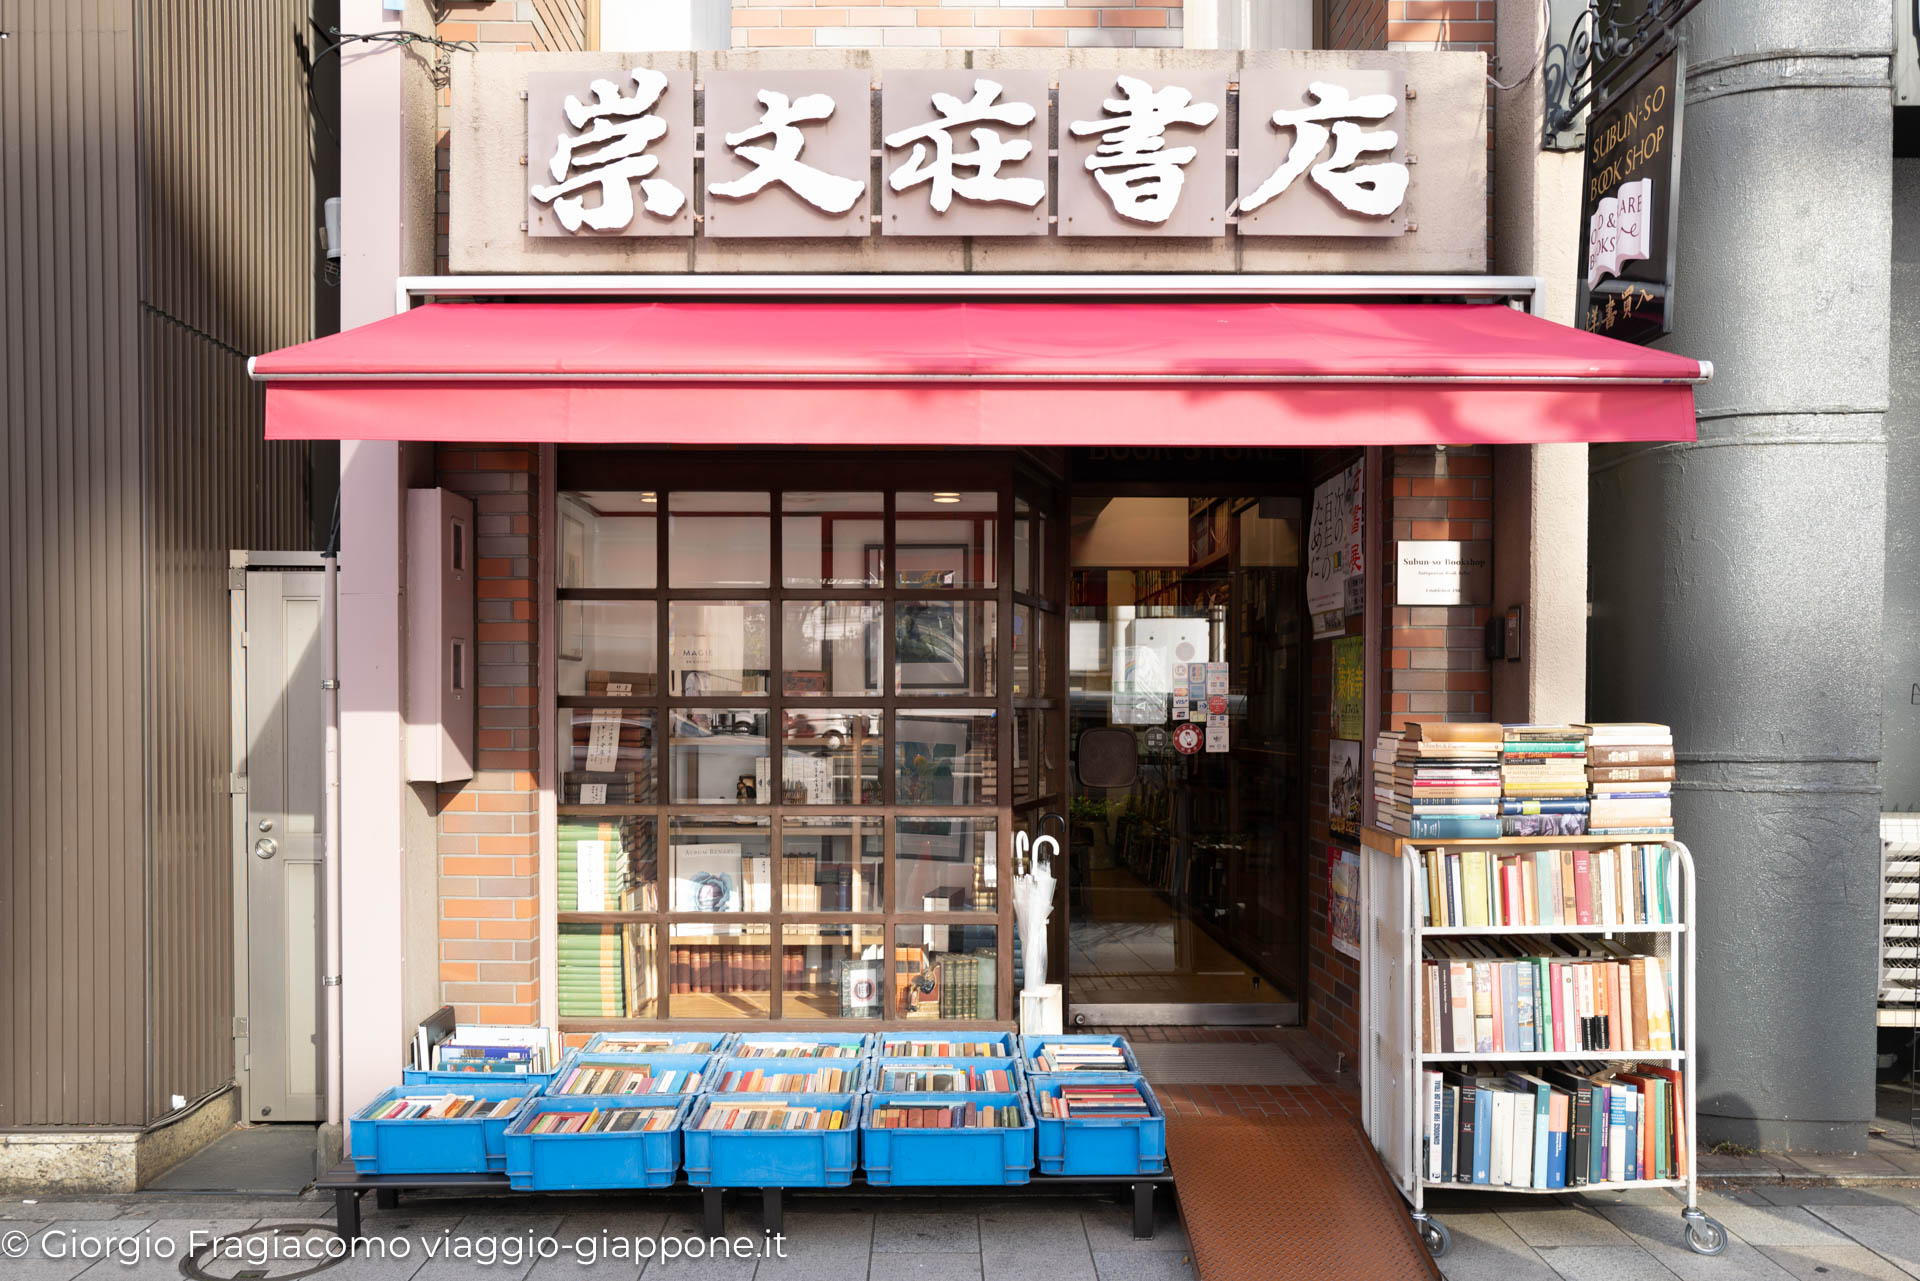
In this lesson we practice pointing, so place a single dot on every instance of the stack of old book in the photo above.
(1446, 781)
(1630, 772)
(1543, 780)
(1386, 801)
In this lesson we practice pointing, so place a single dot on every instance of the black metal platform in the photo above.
(348, 1186)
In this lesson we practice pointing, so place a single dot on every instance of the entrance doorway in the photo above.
(1185, 625)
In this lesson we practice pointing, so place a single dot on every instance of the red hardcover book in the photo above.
(1583, 886)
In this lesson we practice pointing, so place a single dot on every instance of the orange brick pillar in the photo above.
(489, 835)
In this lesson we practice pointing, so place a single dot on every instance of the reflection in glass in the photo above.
(832, 756)
(833, 971)
(607, 972)
(832, 540)
(718, 540)
(721, 864)
(831, 864)
(607, 865)
(945, 647)
(606, 755)
(609, 649)
(831, 646)
(1022, 545)
(718, 756)
(1023, 676)
(945, 864)
(946, 757)
(944, 539)
(716, 648)
(720, 969)
(607, 540)
(947, 972)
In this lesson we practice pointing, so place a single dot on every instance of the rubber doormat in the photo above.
(1218, 1063)
(1273, 1198)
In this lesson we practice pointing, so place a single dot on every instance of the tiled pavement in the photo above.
(1778, 1229)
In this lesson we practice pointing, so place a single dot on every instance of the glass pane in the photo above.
(608, 540)
(719, 756)
(608, 865)
(1043, 584)
(944, 539)
(720, 970)
(1046, 631)
(609, 648)
(1022, 545)
(1023, 652)
(721, 864)
(606, 756)
(717, 648)
(832, 540)
(945, 647)
(946, 972)
(832, 757)
(1026, 723)
(945, 864)
(833, 971)
(718, 540)
(946, 757)
(831, 864)
(607, 972)
(831, 646)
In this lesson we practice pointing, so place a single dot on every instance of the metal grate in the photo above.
(1899, 919)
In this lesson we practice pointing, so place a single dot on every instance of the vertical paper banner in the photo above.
(1343, 902)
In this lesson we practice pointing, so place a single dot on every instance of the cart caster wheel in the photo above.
(1436, 1236)
(1705, 1236)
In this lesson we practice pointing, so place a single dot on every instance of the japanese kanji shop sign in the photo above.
(965, 153)
(1629, 206)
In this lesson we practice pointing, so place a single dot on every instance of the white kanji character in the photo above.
(990, 151)
(611, 157)
(781, 162)
(1376, 189)
(1141, 175)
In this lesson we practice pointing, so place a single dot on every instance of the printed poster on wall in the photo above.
(1349, 688)
(1344, 781)
(1343, 901)
(1333, 548)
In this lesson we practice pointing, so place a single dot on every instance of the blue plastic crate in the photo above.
(966, 1157)
(534, 1081)
(433, 1147)
(877, 1069)
(772, 1158)
(709, 1042)
(863, 1041)
(1030, 1049)
(658, 1062)
(853, 1070)
(1098, 1144)
(888, 1041)
(565, 1162)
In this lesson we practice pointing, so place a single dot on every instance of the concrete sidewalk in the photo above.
(1820, 1233)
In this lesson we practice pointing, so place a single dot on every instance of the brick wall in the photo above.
(489, 825)
(906, 23)
(1439, 24)
(1434, 668)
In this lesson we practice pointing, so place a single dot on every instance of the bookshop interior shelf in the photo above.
(1489, 988)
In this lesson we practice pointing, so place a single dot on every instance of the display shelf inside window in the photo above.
(831, 970)
(606, 971)
(831, 756)
(832, 863)
(607, 864)
(607, 756)
(948, 972)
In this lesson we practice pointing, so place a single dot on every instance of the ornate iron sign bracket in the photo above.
(1592, 45)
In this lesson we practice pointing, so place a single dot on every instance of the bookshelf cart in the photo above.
(1392, 945)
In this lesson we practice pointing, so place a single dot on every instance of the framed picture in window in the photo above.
(930, 646)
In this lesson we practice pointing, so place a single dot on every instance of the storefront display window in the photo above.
(781, 716)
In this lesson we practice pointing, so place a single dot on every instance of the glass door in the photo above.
(1185, 628)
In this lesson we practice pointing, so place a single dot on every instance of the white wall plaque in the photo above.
(1444, 573)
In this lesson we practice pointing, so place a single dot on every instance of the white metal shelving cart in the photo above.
(1392, 945)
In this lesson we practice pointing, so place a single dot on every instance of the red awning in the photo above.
(975, 373)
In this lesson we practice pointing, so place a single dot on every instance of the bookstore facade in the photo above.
(1116, 488)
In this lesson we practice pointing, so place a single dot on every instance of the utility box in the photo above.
(441, 693)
